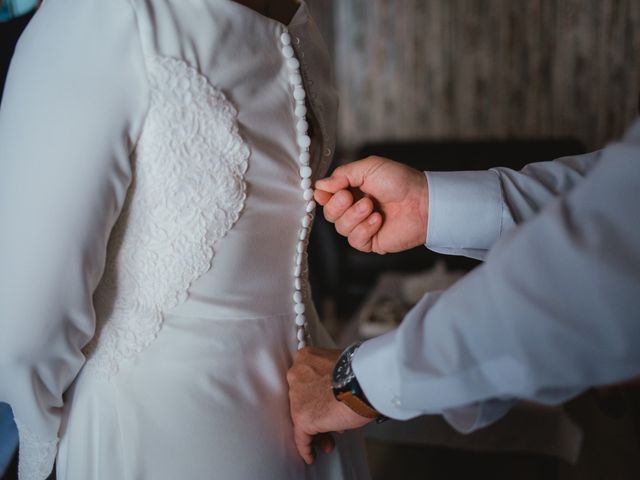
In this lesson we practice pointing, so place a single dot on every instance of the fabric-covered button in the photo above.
(301, 345)
(295, 79)
(305, 183)
(306, 221)
(293, 63)
(306, 172)
(299, 308)
(304, 158)
(304, 141)
(297, 283)
(308, 194)
(299, 93)
(297, 297)
(301, 110)
(302, 126)
(285, 38)
(300, 320)
(311, 206)
(287, 51)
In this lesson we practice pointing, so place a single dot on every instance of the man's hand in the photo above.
(380, 205)
(314, 409)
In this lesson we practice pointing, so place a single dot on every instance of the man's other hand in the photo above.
(314, 409)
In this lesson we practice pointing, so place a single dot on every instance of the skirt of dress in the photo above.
(206, 400)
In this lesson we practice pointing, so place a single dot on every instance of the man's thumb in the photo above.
(351, 175)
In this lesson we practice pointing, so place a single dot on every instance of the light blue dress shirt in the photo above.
(553, 310)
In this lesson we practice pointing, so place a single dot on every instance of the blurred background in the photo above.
(471, 84)
(475, 69)
(456, 85)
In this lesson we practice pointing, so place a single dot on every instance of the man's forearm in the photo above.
(551, 312)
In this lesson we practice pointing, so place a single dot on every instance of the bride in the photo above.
(156, 163)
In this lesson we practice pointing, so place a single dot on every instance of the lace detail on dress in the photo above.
(187, 192)
(36, 456)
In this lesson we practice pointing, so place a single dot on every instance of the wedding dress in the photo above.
(156, 159)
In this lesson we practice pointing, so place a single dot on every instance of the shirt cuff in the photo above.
(465, 210)
(376, 367)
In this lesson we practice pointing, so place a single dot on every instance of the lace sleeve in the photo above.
(36, 454)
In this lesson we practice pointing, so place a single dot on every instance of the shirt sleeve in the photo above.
(73, 106)
(553, 311)
(469, 211)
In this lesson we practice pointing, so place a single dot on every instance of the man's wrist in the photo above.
(346, 387)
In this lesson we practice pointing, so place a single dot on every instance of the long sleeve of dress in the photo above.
(74, 103)
(552, 311)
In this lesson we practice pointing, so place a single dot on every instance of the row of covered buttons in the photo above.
(304, 158)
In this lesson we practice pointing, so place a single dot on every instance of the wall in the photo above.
(483, 68)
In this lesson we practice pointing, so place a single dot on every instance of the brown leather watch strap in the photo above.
(357, 405)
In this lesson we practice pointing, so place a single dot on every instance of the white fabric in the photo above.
(150, 193)
(554, 309)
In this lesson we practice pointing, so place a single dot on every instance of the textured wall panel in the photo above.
(483, 68)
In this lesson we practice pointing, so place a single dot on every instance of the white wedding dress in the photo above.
(156, 158)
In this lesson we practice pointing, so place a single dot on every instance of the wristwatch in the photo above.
(346, 388)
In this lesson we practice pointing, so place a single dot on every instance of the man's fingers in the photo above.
(325, 442)
(333, 183)
(351, 175)
(303, 444)
(353, 216)
(337, 205)
(322, 197)
(361, 237)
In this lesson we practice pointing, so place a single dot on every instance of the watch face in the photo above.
(342, 373)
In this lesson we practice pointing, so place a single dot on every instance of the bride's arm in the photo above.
(73, 106)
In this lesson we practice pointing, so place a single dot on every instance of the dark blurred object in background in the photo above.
(11, 26)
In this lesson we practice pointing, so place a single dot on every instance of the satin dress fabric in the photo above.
(151, 325)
